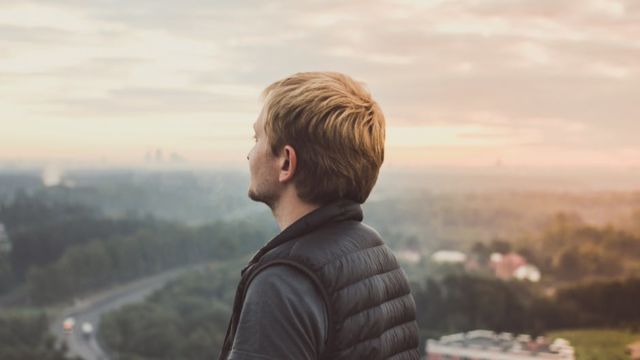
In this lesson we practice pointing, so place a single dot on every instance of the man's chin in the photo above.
(252, 195)
(258, 198)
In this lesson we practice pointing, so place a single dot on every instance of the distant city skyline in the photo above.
(538, 84)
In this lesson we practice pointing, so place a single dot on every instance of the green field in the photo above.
(598, 344)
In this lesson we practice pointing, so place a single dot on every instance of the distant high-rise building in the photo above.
(159, 155)
(177, 158)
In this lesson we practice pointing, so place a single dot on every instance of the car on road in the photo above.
(87, 330)
(68, 324)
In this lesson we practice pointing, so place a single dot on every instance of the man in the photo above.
(326, 287)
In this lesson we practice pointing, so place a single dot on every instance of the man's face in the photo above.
(263, 168)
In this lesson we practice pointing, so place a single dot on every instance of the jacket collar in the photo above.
(340, 210)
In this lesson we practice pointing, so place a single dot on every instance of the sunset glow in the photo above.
(462, 84)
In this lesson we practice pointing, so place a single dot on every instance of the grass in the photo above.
(598, 344)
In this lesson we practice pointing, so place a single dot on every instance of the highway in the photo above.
(91, 308)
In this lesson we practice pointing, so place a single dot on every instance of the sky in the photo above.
(517, 83)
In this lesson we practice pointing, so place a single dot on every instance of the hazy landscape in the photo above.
(87, 233)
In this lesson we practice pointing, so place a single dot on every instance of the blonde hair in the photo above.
(336, 129)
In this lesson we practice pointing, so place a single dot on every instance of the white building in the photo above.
(487, 345)
(527, 272)
(409, 256)
(449, 256)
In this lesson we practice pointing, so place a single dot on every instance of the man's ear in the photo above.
(289, 163)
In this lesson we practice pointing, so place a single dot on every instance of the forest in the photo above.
(190, 314)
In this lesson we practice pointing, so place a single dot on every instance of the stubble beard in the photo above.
(269, 197)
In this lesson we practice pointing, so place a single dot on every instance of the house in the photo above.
(512, 265)
(527, 272)
(633, 350)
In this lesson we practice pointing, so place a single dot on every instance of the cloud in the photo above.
(152, 101)
(557, 74)
(37, 34)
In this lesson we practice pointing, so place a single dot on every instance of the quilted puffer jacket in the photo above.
(370, 309)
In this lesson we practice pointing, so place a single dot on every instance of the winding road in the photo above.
(91, 308)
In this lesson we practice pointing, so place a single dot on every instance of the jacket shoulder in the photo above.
(332, 242)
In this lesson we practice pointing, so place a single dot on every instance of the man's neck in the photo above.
(289, 209)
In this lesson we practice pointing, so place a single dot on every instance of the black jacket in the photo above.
(370, 309)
